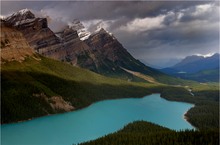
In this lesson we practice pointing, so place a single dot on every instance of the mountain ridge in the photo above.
(67, 46)
(193, 68)
(190, 64)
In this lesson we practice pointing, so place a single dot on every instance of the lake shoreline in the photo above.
(186, 118)
(77, 109)
(91, 122)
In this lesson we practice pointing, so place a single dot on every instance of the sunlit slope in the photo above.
(40, 86)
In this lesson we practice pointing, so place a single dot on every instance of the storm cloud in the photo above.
(155, 32)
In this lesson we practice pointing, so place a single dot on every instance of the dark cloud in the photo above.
(86, 10)
(155, 32)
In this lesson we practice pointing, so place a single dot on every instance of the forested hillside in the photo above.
(145, 133)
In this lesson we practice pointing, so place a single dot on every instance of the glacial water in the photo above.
(97, 120)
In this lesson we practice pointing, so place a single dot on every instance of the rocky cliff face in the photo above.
(99, 51)
(114, 58)
(81, 30)
(64, 45)
(75, 51)
(13, 45)
(35, 30)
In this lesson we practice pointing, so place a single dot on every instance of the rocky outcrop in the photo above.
(13, 45)
(57, 103)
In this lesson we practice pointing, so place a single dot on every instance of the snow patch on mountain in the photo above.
(206, 55)
(23, 11)
(21, 17)
(2, 17)
(81, 30)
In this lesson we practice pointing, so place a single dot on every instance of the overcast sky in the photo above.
(157, 33)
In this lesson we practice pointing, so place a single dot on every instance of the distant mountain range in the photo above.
(197, 68)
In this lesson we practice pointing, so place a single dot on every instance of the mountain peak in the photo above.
(83, 33)
(101, 30)
(23, 11)
(81, 30)
(189, 59)
(76, 25)
(18, 17)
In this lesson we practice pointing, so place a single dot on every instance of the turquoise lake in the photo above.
(97, 120)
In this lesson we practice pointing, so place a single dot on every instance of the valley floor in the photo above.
(38, 84)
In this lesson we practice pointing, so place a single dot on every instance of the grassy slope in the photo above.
(20, 81)
(145, 133)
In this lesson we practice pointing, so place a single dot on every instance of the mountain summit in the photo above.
(20, 17)
(81, 30)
